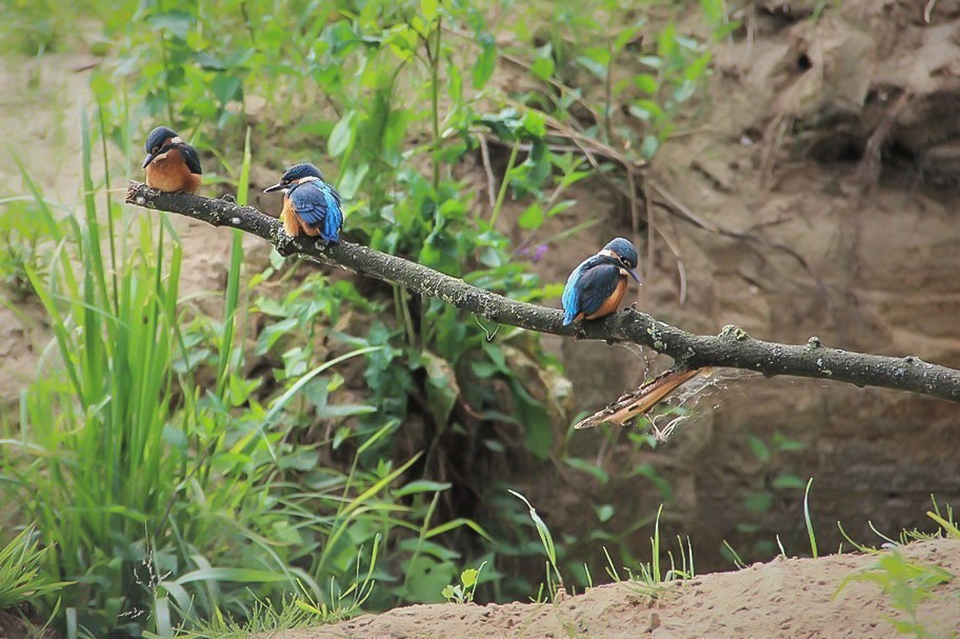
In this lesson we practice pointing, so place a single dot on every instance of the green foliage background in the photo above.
(346, 449)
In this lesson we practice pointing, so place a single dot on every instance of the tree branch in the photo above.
(732, 348)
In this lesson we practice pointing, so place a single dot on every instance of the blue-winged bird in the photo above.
(594, 290)
(310, 205)
(597, 286)
(172, 165)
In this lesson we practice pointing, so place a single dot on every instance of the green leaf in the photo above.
(427, 578)
(597, 68)
(759, 502)
(429, 9)
(646, 83)
(787, 482)
(758, 448)
(178, 23)
(469, 577)
(342, 135)
(487, 61)
(225, 87)
(650, 146)
(241, 575)
(604, 512)
(420, 486)
(531, 218)
(588, 467)
(542, 68)
(537, 426)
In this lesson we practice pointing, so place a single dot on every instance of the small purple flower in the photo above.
(538, 253)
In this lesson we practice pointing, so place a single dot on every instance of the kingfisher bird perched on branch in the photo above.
(172, 165)
(310, 205)
(594, 290)
(597, 286)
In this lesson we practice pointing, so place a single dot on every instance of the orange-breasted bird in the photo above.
(597, 286)
(171, 165)
(310, 205)
(594, 290)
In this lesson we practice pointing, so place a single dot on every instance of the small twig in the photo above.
(488, 170)
(732, 348)
(928, 10)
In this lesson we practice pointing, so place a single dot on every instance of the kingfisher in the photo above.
(597, 286)
(594, 290)
(172, 165)
(310, 205)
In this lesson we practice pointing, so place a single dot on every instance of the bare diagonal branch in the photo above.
(732, 348)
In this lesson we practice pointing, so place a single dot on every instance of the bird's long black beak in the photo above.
(275, 187)
(634, 275)
(150, 157)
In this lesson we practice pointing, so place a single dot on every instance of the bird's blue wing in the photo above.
(191, 158)
(571, 298)
(319, 205)
(595, 285)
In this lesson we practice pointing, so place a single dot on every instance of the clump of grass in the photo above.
(650, 578)
(21, 577)
(171, 502)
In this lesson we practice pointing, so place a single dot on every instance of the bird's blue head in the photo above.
(293, 175)
(157, 139)
(625, 253)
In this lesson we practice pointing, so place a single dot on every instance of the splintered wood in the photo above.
(640, 400)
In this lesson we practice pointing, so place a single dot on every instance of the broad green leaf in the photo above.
(342, 135)
(486, 62)
(646, 83)
(429, 9)
(542, 68)
(469, 577)
(531, 218)
(588, 467)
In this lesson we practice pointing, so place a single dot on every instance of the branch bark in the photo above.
(732, 348)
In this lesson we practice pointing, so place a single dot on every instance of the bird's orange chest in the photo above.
(170, 173)
(612, 303)
(292, 223)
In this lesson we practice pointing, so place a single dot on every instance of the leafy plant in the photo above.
(906, 584)
(463, 592)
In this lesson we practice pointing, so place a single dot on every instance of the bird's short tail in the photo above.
(641, 400)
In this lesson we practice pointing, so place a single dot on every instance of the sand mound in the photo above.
(783, 598)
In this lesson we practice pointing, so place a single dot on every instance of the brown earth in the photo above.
(782, 598)
(835, 137)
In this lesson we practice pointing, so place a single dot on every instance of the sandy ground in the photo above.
(782, 598)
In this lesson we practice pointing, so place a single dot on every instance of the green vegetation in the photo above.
(210, 474)
(21, 579)
(906, 584)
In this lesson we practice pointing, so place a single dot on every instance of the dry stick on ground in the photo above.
(733, 348)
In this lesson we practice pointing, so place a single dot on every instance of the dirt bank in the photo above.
(782, 598)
